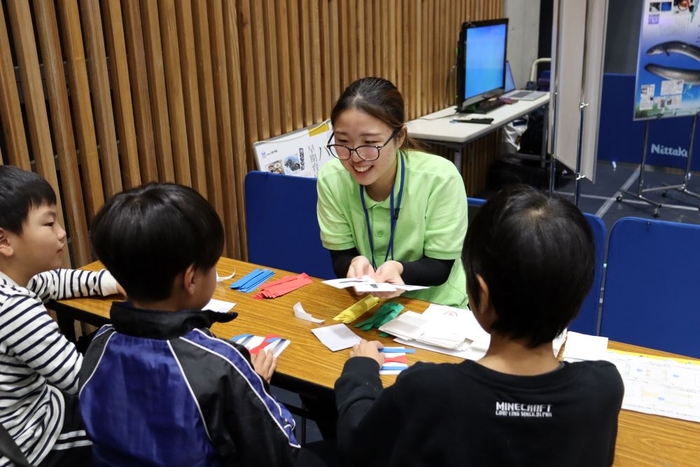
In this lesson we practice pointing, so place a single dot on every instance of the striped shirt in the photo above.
(36, 361)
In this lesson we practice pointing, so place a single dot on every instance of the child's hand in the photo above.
(120, 289)
(264, 364)
(368, 349)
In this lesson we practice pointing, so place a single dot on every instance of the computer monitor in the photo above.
(481, 62)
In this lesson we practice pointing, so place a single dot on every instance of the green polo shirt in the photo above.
(432, 220)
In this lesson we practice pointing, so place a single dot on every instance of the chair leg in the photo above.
(303, 424)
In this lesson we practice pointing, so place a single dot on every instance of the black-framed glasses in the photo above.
(366, 152)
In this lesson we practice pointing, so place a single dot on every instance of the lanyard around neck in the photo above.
(394, 215)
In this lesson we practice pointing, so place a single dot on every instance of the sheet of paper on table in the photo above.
(336, 337)
(581, 347)
(658, 385)
(219, 305)
(439, 326)
(443, 327)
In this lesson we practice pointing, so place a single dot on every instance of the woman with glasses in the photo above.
(386, 209)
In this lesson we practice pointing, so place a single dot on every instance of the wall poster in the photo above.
(668, 60)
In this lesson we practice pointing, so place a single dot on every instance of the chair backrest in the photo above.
(282, 226)
(473, 207)
(651, 295)
(587, 320)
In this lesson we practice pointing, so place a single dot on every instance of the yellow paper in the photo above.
(353, 312)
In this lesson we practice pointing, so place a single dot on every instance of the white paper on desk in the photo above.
(300, 313)
(585, 347)
(432, 328)
(220, 306)
(458, 319)
(468, 354)
(559, 341)
(336, 337)
(658, 385)
(455, 322)
(408, 325)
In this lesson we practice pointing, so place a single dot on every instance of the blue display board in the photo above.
(668, 61)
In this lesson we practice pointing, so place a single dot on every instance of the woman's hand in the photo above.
(389, 272)
(368, 349)
(360, 266)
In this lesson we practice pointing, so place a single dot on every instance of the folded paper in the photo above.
(353, 312)
(252, 280)
(300, 313)
(283, 286)
(383, 315)
(256, 344)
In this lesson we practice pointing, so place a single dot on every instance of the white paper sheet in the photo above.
(336, 337)
(220, 306)
(408, 325)
(584, 347)
(369, 285)
(661, 386)
(468, 354)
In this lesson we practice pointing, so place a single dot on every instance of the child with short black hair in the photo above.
(529, 259)
(38, 365)
(157, 387)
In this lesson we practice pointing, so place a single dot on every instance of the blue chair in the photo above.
(473, 207)
(587, 319)
(476, 202)
(282, 226)
(651, 293)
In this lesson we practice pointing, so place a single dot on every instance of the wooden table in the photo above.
(307, 365)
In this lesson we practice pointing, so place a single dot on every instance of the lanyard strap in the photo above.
(394, 215)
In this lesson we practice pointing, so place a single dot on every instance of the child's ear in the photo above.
(189, 279)
(484, 294)
(5, 246)
(486, 312)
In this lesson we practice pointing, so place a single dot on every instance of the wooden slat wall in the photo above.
(116, 93)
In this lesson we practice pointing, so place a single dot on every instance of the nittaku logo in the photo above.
(668, 151)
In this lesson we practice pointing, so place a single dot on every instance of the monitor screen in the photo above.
(481, 61)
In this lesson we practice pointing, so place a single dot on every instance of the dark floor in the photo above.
(600, 198)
